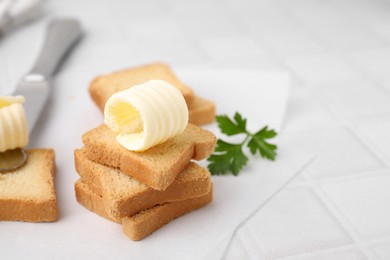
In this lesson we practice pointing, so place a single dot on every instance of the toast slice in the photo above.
(124, 196)
(201, 111)
(140, 225)
(156, 167)
(27, 193)
(103, 87)
(91, 200)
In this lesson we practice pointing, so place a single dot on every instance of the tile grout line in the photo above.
(339, 216)
(240, 225)
(361, 24)
(350, 125)
(341, 54)
(343, 220)
(341, 119)
(342, 178)
(345, 224)
(313, 254)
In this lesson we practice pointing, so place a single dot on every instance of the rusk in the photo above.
(201, 111)
(156, 167)
(124, 196)
(27, 193)
(90, 200)
(140, 225)
(104, 86)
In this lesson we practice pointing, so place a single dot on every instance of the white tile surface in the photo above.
(152, 29)
(365, 202)
(385, 84)
(382, 249)
(347, 37)
(292, 42)
(306, 113)
(335, 254)
(383, 30)
(259, 19)
(375, 63)
(377, 132)
(339, 153)
(356, 98)
(318, 68)
(232, 48)
(291, 217)
(175, 51)
(368, 12)
(239, 250)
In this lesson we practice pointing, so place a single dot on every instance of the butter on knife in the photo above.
(13, 123)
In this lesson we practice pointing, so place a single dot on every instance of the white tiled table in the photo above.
(338, 53)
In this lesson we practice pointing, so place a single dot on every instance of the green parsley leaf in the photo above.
(229, 127)
(230, 157)
(258, 143)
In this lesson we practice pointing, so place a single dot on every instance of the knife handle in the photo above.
(61, 36)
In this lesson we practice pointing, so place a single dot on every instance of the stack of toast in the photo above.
(143, 190)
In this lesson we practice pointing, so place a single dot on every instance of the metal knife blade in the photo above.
(35, 90)
(61, 36)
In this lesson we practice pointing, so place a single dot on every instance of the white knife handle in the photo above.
(61, 36)
(23, 11)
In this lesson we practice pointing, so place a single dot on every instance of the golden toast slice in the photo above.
(141, 224)
(201, 111)
(124, 196)
(27, 193)
(91, 200)
(104, 86)
(156, 167)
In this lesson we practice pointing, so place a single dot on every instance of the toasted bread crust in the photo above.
(156, 167)
(194, 181)
(201, 111)
(31, 207)
(90, 200)
(140, 225)
(103, 87)
(146, 222)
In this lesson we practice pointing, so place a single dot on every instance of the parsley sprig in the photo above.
(230, 157)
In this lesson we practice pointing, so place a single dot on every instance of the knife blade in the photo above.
(61, 36)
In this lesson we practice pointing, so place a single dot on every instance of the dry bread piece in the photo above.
(156, 167)
(201, 111)
(142, 224)
(90, 200)
(146, 222)
(125, 196)
(27, 194)
(103, 87)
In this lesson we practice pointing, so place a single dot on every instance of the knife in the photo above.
(61, 36)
